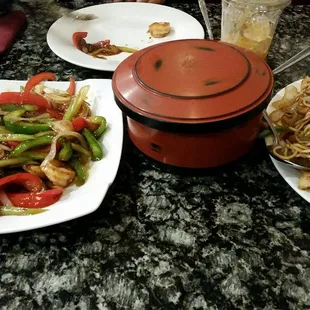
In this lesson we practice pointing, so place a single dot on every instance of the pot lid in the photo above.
(192, 81)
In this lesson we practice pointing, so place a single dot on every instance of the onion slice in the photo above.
(52, 153)
(5, 199)
(62, 126)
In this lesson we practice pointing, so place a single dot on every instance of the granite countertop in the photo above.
(231, 238)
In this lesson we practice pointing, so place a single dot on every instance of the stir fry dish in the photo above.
(291, 117)
(48, 138)
(100, 49)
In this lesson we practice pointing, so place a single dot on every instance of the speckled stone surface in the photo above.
(232, 238)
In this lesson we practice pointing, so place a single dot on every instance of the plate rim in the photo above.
(105, 186)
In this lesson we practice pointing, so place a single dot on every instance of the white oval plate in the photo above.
(79, 201)
(125, 24)
(290, 175)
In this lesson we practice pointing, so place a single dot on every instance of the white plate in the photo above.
(125, 24)
(290, 175)
(78, 201)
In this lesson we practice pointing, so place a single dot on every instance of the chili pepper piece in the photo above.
(31, 182)
(66, 152)
(12, 144)
(77, 37)
(36, 200)
(101, 121)
(76, 164)
(76, 104)
(14, 107)
(15, 137)
(80, 149)
(21, 98)
(10, 210)
(95, 148)
(36, 79)
(14, 161)
(26, 145)
(71, 88)
(23, 127)
(55, 114)
(35, 155)
(79, 123)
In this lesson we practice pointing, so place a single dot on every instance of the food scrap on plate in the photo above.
(159, 29)
(100, 49)
(48, 137)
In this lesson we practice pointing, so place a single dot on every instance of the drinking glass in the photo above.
(251, 23)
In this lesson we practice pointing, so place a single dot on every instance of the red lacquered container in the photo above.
(193, 103)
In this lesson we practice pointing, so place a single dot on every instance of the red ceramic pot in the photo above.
(193, 103)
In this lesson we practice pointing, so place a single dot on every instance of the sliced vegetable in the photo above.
(14, 107)
(66, 152)
(21, 98)
(94, 146)
(101, 121)
(10, 210)
(35, 155)
(26, 145)
(14, 161)
(31, 182)
(4, 130)
(36, 200)
(79, 169)
(71, 88)
(21, 126)
(267, 132)
(12, 144)
(80, 149)
(15, 137)
(54, 114)
(76, 104)
(79, 123)
(36, 79)
(126, 49)
(77, 38)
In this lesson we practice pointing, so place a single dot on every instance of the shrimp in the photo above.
(58, 173)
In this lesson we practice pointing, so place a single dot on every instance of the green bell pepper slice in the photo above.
(76, 165)
(21, 126)
(66, 151)
(95, 148)
(10, 210)
(14, 107)
(26, 145)
(101, 121)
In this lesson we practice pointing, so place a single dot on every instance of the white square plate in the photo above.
(79, 201)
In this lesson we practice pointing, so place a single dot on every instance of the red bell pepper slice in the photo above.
(21, 98)
(79, 123)
(77, 37)
(36, 200)
(55, 114)
(36, 79)
(30, 181)
(12, 143)
(71, 88)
